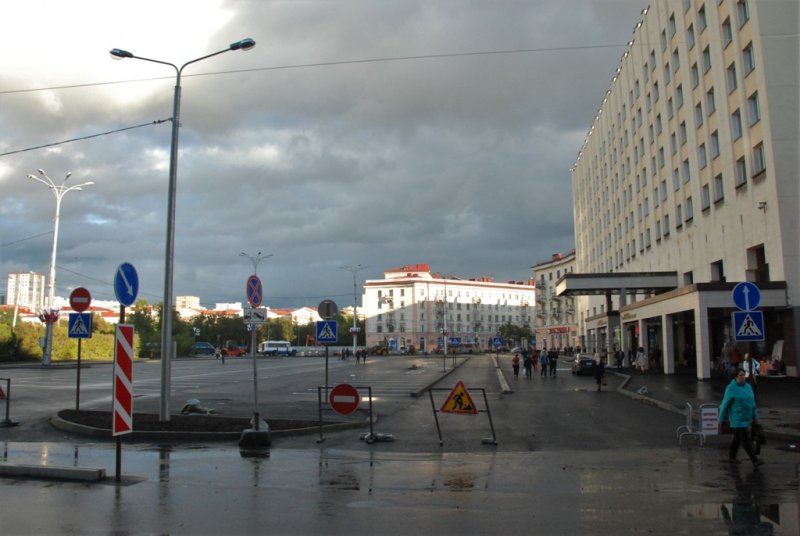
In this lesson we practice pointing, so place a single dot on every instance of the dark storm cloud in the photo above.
(461, 162)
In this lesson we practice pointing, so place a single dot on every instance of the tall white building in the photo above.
(687, 183)
(26, 289)
(412, 306)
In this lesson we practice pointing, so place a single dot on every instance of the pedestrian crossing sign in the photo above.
(327, 331)
(748, 325)
(80, 325)
(459, 401)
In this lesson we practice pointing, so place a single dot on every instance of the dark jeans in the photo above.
(741, 436)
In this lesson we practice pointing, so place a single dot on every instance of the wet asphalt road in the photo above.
(569, 460)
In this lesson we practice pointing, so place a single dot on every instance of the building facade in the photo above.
(556, 326)
(688, 181)
(26, 289)
(413, 307)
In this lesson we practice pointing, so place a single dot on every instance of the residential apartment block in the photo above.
(556, 325)
(412, 306)
(26, 289)
(688, 183)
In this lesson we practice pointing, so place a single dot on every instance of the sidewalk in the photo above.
(778, 398)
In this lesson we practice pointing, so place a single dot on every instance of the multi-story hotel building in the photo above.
(555, 315)
(688, 183)
(26, 289)
(412, 306)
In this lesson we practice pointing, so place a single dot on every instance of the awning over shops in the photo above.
(573, 284)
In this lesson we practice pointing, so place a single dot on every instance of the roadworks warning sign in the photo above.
(459, 401)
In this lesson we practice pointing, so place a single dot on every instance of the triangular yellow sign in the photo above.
(459, 401)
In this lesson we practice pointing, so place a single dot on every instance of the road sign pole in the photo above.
(326, 373)
(256, 416)
(78, 381)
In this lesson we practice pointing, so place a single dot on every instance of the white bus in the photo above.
(275, 348)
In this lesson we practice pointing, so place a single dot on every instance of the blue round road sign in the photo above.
(746, 296)
(126, 284)
(255, 291)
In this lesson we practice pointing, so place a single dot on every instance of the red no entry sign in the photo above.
(344, 399)
(80, 299)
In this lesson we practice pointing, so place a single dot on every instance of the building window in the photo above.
(663, 40)
(656, 93)
(695, 76)
(667, 75)
(753, 109)
(671, 24)
(698, 114)
(655, 196)
(689, 209)
(711, 105)
(663, 191)
(759, 159)
(730, 76)
(659, 126)
(727, 33)
(701, 156)
(749, 59)
(706, 59)
(714, 144)
(678, 217)
(701, 18)
(719, 191)
(682, 132)
(736, 124)
(666, 225)
(676, 179)
(685, 171)
(690, 36)
(679, 96)
(670, 108)
(743, 12)
(705, 197)
(675, 60)
(741, 172)
(673, 143)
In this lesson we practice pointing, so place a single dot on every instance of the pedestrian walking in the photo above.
(739, 409)
(599, 372)
(515, 365)
(527, 363)
(535, 360)
(751, 371)
(553, 358)
(642, 363)
(543, 361)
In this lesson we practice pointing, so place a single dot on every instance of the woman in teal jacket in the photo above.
(739, 408)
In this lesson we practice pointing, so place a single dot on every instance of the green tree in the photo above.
(513, 332)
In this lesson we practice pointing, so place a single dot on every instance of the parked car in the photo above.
(583, 364)
(203, 349)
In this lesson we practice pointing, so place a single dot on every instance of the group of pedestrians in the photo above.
(542, 361)
(360, 354)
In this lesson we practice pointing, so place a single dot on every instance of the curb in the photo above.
(82, 474)
(105, 433)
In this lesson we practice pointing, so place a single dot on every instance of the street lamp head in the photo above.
(119, 54)
(245, 44)
(41, 172)
(69, 174)
(32, 176)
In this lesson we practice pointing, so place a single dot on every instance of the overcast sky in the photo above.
(354, 132)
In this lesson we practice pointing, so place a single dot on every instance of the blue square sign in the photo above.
(748, 326)
(327, 331)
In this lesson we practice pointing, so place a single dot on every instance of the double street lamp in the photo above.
(354, 270)
(59, 191)
(166, 313)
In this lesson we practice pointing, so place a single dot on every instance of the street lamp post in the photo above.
(59, 190)
(166, 313)
(354, 270)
